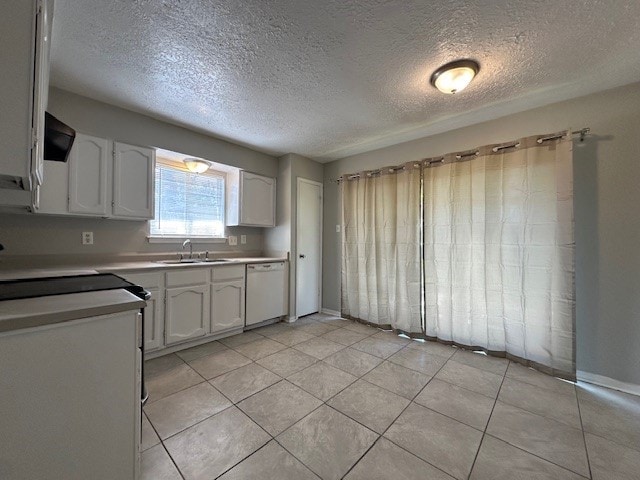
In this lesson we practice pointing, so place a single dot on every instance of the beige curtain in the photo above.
(499, 252)
(381, 249)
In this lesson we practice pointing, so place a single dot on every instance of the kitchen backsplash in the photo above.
(45, 236)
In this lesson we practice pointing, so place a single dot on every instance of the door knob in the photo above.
(302, 256)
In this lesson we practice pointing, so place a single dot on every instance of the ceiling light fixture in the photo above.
(197, 165)
(455, 76)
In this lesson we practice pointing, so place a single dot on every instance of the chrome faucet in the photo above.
(184, 244)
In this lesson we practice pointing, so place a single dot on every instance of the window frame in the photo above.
(155, 238)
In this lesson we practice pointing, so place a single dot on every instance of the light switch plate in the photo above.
(337, 228)
(233, 240)
(87, 238)
(243, 239)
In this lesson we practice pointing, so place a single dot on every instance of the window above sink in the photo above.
(188, 203)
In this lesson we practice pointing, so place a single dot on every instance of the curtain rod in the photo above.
(583, 132)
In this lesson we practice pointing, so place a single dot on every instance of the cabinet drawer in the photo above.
(227, 272)
(191, 276)
(146, 280)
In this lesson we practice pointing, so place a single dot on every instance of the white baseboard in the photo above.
(608, 382)
(330, 312)
(290, 319)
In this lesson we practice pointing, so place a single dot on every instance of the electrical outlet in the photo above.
(87, 238)
(233, 240)
(243, 239)
(337, 228)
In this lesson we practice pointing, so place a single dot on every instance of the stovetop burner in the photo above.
(45, 286)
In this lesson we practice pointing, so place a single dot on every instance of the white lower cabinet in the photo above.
(153, 282)
(227, 297)
(154, 321)
(70, 401)
(188, 304)
(227, 306)
(186, 313)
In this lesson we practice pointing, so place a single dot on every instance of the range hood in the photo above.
(58, 139)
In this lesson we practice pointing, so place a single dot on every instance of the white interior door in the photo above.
(308, 247)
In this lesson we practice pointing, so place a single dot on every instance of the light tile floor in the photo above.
(329, 398)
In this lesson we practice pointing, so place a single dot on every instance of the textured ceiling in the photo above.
(326, 79)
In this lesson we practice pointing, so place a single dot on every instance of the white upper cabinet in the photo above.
(251, 200)
(102, 178)
(25, 27)
(89, 162)
(133, 178)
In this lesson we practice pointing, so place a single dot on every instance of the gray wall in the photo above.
(25, 234)
(283, 237)
(607, 203)
(278, 239)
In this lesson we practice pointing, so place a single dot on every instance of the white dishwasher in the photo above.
(267, 292)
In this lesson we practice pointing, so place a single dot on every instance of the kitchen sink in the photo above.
(195, 260)
(184, 260)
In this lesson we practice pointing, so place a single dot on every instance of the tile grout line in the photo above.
(245, 458)
(520, 448)
(223, 410)
(256, 450)
(162, 441)
(584, 435)
(543, 415)
(208, 380)
(394, 420)
(210, 416)
(404, 347)
(290, 452)
(292, 373)
(164, 447)
(324, 403)
(204, 380)
(609, 439)
(155, 431)
(535, 455)
(484, 431)
(344, 371)
(172, 460)
(637, 450)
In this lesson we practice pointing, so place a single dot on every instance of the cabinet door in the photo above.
(41, 88)
(24, 27)
(227, 305)
(154, 321)
(257, 204)
(186, 313)
(133, 179)
(54, 192)
(88, 175)
(48, 381)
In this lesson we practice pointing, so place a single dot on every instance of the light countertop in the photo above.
(35, 312)
(32, 312)
(18, 273)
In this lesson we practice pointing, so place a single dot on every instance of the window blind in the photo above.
(187, 203)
